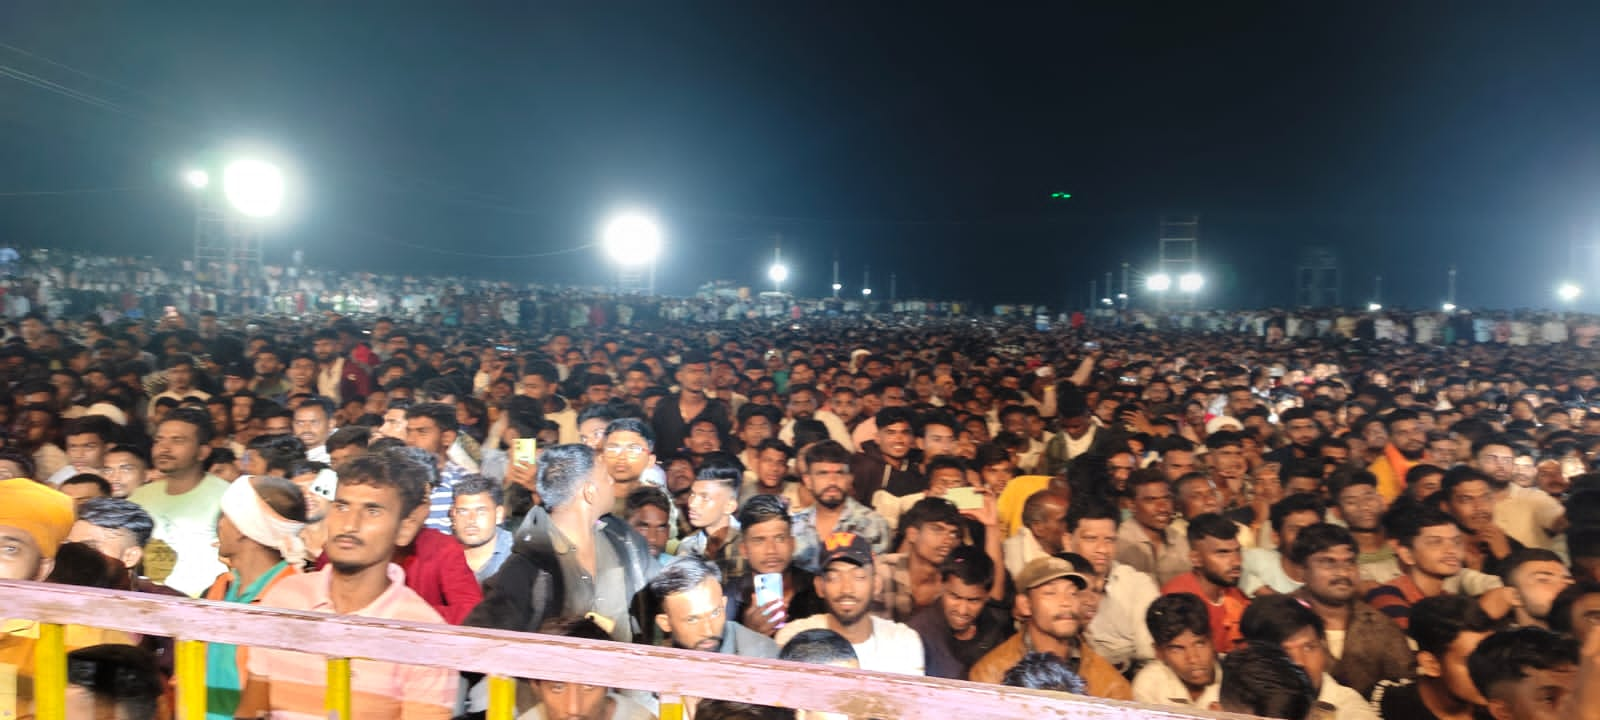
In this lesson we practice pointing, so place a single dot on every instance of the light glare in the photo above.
(632, 239)
(1191, 282)
(778, 273)
(1568, 292)
(196, 178)
(253, 187)
(1159, 282)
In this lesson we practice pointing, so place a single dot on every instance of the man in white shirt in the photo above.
(184, 504)
(1188, 674)
(846, 585)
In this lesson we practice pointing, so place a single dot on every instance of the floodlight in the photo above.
(1191, 282)
(1159, 282)
(1568, 292)
(778, 273)
(253, 187)
(632, 239)
(196, 178)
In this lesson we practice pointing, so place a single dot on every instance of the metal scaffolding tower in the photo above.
(1316, 279)
(227, 245)
(1180, 252)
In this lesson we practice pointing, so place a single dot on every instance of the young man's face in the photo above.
(652, 523)
(769, 546)
(847, 588)
(830, 483)
(962, 603)
(695, 619)
(710, 504)
(626, 455)
(1052, 608)
(1191, 657)
(1537, 584)
(366, 523)
(1307, 650)
(1436, 551)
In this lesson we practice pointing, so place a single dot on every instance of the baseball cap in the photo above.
(1042, 570)
(849, 547)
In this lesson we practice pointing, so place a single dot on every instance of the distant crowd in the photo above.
(1292, 515)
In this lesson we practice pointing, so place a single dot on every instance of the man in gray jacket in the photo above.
(571, 557)
(690, 611)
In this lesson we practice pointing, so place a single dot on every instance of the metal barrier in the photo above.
(505, 656)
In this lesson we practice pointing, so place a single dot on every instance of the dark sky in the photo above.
(920, 138)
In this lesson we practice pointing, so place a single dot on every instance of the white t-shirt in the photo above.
(892, 648)
(188, 524)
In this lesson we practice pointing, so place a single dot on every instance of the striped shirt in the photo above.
(443, 496)
(379, 690)
(1395, 598)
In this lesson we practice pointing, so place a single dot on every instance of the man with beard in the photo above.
(1468, 499)
(380, 505)
(184, 503)
(476, 512)
(1407, 440)
(337, 376)
(846, 585)
(1535, 577)
(885, 463)
(1364, 645)
(1150, 544)
(1047, 595)
(1356, 501)
(1188, 674)
(691, 612)
(964, 625)
(1303, 432)
(1217, 565)
(803, 403)
(829, 506)
(1528, 514)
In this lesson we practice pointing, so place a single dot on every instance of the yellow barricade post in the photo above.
(338, 698)
(502, 698)
(190, 667)
(50, 673)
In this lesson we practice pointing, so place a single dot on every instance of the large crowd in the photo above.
(1313, 514)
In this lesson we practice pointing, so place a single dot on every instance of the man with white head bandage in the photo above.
(258, 536)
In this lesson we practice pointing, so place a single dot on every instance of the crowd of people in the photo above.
(1335, 523)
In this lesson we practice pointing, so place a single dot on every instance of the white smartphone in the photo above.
(965, 498)
(525, 451)
(769, 588)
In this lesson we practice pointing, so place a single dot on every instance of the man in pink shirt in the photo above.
(381, 504)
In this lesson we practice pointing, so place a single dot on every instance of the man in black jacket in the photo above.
(571, 557)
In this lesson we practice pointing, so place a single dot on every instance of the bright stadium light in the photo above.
(1105, 301)
(1448, 307)
(196, 178)
(1191, 282)
(253, 187)
(1122, 296)
(778, 273)
(1159, 282)
(838, 286)
(632, 239)
(866, 291)
(1374, 307)
(1568, 292)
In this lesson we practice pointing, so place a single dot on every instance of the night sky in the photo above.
(921, 139)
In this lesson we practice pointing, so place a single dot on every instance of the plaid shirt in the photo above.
(856, 518)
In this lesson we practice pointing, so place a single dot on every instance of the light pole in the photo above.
(230, 214)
